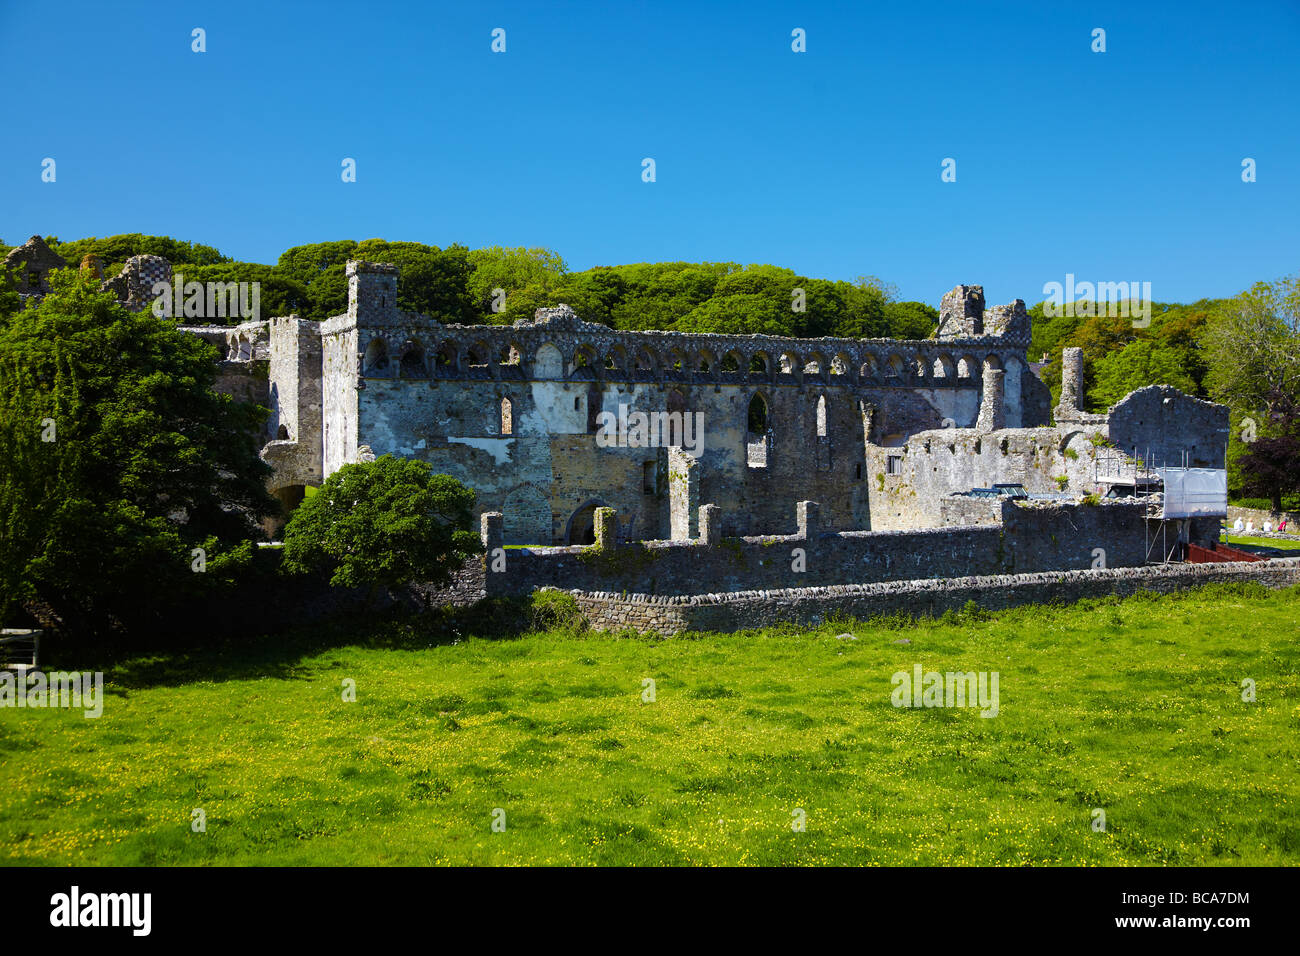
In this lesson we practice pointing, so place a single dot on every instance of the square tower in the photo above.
(372, 292)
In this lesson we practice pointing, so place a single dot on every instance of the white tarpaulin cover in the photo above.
(1195, 492)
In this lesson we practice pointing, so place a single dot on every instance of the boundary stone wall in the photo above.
(1015, 537)
(811, 606)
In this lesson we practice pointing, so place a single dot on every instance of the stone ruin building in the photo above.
(30, 266)
(879, 432)
(854, 457)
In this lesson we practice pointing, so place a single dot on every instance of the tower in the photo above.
(372, 292)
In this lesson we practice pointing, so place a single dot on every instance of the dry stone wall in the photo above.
(813, 606)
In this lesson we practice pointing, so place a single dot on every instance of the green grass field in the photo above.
(1132, 707)
(1238, 541)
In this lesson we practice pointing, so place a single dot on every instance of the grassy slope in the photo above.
(1133, 707)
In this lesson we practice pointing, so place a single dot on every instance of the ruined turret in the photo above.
(30, 265)
(134, 285)
(961, 314)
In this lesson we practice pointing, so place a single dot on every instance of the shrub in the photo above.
(555, 610)
(383, 523)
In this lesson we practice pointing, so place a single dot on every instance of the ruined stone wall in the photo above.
(30, 265)
(244, 382)
(910, 485)
(911, 491)
(813, 606)
(1161, 421)
(1027, 537)
(339, 391)
(512, 411)
(436, 392)
(296, 402)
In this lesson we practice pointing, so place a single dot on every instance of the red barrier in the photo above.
(1219, 554)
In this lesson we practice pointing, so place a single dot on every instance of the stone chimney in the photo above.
(1071, 404)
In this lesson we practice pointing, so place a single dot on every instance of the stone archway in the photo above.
(581, 528)
(289, 497)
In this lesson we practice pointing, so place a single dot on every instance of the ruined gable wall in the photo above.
(1163, 421)
(934, 464)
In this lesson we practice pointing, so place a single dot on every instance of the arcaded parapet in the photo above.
(30, 265)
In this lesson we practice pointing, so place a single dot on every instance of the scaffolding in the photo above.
(1173, 494)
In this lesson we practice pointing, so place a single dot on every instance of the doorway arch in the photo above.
(581, 528)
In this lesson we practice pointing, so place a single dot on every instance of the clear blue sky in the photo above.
(1117, 166)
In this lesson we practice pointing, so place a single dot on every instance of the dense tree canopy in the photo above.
(117, 461)
(500, 285)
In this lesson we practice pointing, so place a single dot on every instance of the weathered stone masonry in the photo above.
(825, 463)
(813, 606)
(512, 410)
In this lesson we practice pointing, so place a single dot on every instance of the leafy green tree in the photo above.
(1138, 364)
(1252, 347)
(737, 314)
(381, 524)
(911, 320)
(864, 312)
(117, 460)
(434, 281)
(528, 277)
(278, 294)
(115, 250)
(1270, 468)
